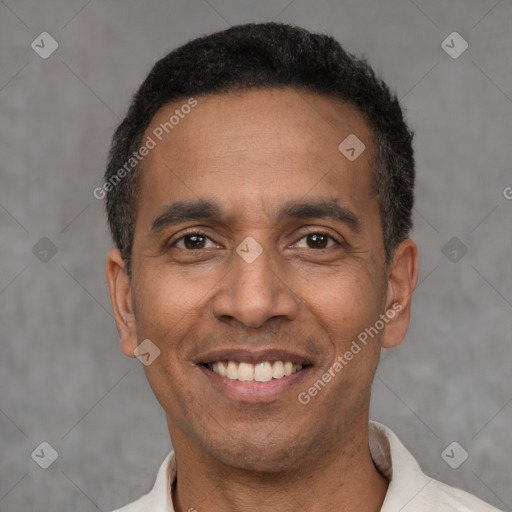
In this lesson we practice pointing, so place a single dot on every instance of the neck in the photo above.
(343, 478)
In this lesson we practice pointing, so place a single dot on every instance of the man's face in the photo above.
(318, 282)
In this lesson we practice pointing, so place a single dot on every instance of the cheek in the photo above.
(167, 324)
(163, 305)
(347, 303)
(165, 378)
(166, 311)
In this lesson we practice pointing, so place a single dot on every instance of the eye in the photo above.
(319, 240)
(192, 241)
(197, 240)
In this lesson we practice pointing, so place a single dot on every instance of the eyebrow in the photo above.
(182, 211)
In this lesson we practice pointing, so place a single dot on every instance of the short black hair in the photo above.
(259, 56)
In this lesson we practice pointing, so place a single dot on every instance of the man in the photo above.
(259, 193)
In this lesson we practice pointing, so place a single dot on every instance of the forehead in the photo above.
(256, 149)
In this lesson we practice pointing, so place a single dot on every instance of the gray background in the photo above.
(63, 378)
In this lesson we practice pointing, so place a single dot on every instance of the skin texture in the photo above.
(252, 152)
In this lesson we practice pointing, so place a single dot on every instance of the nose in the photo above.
(254, 292)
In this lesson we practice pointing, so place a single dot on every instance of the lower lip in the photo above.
(252, 391)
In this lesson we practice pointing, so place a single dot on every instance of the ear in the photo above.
(120, 289)
(402, 279)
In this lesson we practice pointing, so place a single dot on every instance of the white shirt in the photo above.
(409, 490)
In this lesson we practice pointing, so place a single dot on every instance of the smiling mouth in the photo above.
(264, 371)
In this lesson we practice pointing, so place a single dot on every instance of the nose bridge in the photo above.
(252, 266)
(253, 291)
(253, 287)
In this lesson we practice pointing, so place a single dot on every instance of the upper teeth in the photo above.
(260, 372)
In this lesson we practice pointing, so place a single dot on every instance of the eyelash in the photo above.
(201, 233)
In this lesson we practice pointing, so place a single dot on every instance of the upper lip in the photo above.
(252, 356)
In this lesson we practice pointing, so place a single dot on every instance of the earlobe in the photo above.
(120, 291)
(402, 279)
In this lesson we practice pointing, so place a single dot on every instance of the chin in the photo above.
(265, 455)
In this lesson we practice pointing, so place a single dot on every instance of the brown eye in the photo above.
(319, 240)
(191, 241)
